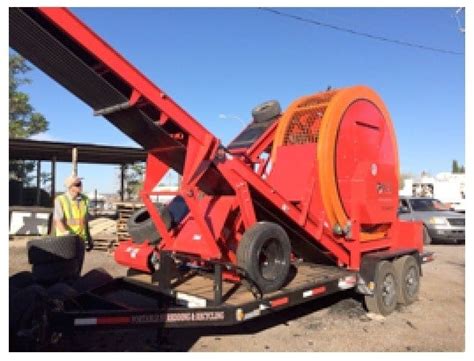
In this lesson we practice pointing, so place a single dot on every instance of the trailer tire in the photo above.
(91, 280)
(385, 296)
(266, 111)
(52, 249)
(408, 276)
(426, 236)
(141, 227)
(264, 253)
(50, 273)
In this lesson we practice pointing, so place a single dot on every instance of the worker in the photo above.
(71, 212)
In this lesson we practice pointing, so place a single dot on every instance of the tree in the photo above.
(23, 120)
(456, 168)
(133, 175)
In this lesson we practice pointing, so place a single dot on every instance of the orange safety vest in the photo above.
(75, 214)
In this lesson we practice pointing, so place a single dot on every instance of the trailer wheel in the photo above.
(52, 249)
(264, 252)
(385, 297)
(408, 277)
(141, 227)
(266, 111)
(426, 236)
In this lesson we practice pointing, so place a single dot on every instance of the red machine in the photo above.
(318, 181)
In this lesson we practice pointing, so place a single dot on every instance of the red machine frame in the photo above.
(217, 225)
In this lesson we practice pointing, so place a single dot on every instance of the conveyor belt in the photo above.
(250, 134)
(73, 67)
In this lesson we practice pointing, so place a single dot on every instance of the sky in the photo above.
(219, 63)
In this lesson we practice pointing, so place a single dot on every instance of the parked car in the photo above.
(440, 224)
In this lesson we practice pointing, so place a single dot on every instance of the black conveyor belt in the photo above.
(72, 66)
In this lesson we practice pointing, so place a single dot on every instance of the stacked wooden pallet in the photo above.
(104, 233)
(125, 210)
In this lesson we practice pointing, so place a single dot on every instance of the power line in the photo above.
(358, 33)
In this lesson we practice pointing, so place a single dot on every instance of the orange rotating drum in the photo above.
(356, 155)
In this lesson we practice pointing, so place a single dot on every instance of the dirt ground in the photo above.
(335, 323)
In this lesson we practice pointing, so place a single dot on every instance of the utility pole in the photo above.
(74, 162)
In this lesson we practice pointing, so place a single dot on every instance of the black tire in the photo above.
(21, 280)
(266, 111)
(50, 273)
(53, 249)
(426, 236)
(385, 296)
(61, 291)
(407, 270)
(264, 252)
(93, 279)
(28, 316)
(141, 227)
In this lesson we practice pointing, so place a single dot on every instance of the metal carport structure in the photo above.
(35, 150)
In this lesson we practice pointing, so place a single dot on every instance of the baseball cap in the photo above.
(71, 180)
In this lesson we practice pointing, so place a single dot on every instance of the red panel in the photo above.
(134, 255)
(189, 238)
(291, 174)
(366, 160)
(407, 234)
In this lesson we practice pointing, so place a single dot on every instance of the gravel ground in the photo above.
(335, 323)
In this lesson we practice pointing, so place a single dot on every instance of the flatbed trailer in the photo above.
(179, 296)
(193, 298)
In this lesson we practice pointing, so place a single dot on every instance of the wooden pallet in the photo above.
(104, 233)
(125, 210)
(106, 244)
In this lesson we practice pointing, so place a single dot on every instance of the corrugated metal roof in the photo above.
(27, 149)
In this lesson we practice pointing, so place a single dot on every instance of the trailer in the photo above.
(301, 204)
(176, 297)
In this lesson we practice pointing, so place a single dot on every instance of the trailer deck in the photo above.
(136, 301)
